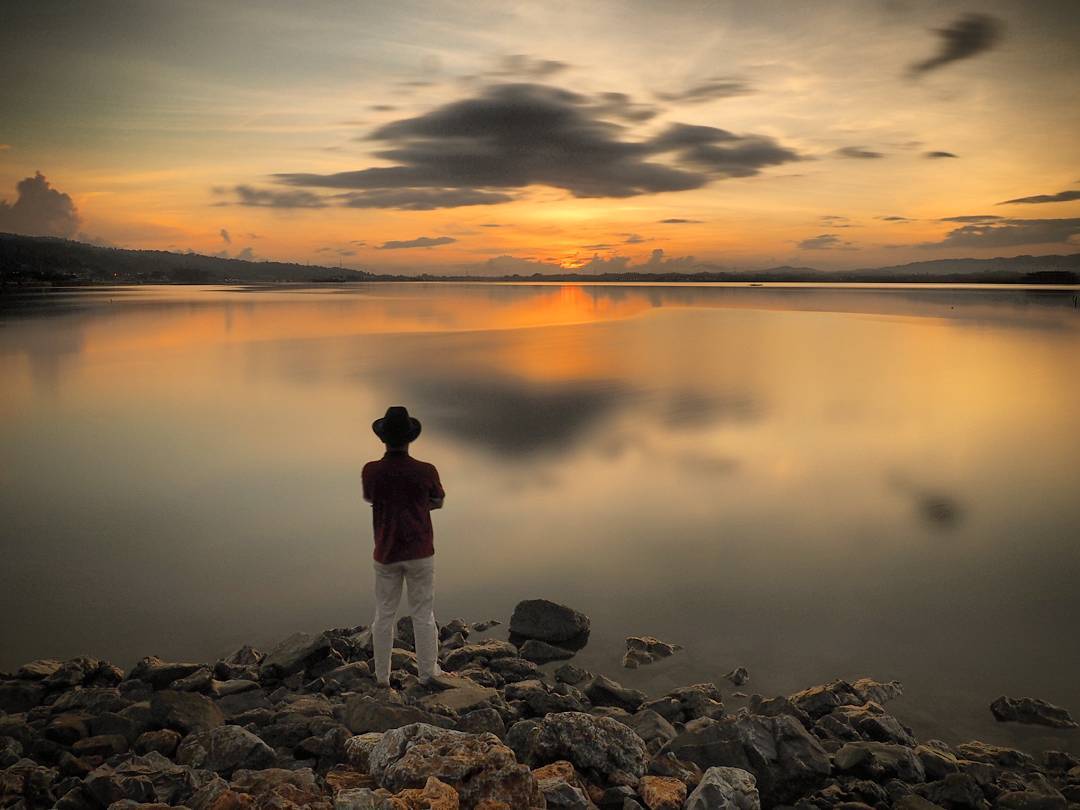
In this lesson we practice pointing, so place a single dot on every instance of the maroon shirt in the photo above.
(399, 487)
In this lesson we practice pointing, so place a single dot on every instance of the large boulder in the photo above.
(364, 713)
(725, 789)
(478, 766)
(597, 743)
(785, 759)
(462, 698)
(160, 674)
(547, 621)
(184, 711)
(224, 749)
(1031, 710)
(540, 652)
(293, 654)
(603, 691)
(880, 761)
(481, 653)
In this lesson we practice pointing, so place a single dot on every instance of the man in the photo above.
(402, 491)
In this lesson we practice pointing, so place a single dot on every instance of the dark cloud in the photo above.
(858, 152)
(490, 225)
(620, 105)
(225, 236)
(972, 218)
(678, 221)
(825, 241)
(512, 136)
(1010, 232)
(938, 155)
(633, 239)
(39, 210)
(422, 199)
(836, 221)
(966, 37)
(418, 242)
(382, 107)
(268, 198)
(709, 90)
(598, 246)
(896, 219)
(1061, 196)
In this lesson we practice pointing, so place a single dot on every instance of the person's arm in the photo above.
(365, 478)
(436, 496)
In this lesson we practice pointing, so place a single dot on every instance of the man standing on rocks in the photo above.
(402, 491)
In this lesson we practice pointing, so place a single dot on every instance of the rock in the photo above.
(478, 766)
(936, 764)
(868, 722)
(957, 791)
(512, 669)
(10, 751)
(738, 676)
(198, 681)
(877, 691)
(434, 795)
(184, 711)
(293, 654)
(67, 728)
(462, 698)
(482, 652)
(357, 799)
(880, 761)
(662, 792)
(246, 656)
(479, 721)
(540, 652)
(274, 788)
(725, 789)
(38, 670)
(92, 700)
(603, 691)
(358, 749)
(771, 707)
(224, 749)
(571, 674)
(103, 745)
(688, 703)
(588, 742)
(163, 741)
(1032, 711)
(240, 702)
(20, 696)
(364, 714)
(540, 698)
(995, 755)
(652, 728)
(480, 627)
(645, 650)
(784, 758)
(233, 686)
(818, 701)
(107, 786)
(562, 786)
(547, 621)
(160, 674)
(667, 764)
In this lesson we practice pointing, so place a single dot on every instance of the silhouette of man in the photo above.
(402, 492)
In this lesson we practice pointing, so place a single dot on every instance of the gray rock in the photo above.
(20, 696)
(725, 789)
(364, 714)
(880, 761)
(785, 759)
(540, 652)
(1032, 711)
(645, 650)
(481, 652)
(547, 621)
(603, 691)
(738, 676)
(38, 670)
(480, 721)
(995, 755)
(571, 674)
(395, 743)
(559, 794)
(688, 703)
(160, 674)
(358, 749)
(293, 654)
(224, 749)
(600, 743)
(512, 669)
(463, 698)
(184, 711)
(652, 728)
(357, 799)
(164, 741)
(880, 692)
(540, 698)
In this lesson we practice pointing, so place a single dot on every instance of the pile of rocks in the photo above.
(305, 726)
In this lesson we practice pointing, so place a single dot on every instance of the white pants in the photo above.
(420, 576)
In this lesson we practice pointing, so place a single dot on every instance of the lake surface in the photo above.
(808, 481)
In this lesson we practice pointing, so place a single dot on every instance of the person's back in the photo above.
(402, 492)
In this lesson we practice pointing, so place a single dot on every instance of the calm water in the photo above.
(807, 481)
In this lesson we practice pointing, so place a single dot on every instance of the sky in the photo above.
(519, 137)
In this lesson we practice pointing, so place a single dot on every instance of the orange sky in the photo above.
(777, 133)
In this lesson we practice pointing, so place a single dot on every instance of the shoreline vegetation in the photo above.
(27, 261)
(510, 725)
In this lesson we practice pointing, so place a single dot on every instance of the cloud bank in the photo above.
(39, 210)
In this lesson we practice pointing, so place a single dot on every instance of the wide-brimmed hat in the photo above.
(397, 427)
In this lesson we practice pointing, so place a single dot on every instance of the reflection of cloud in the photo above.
(511, 417)
(937, 509)
(690, 409)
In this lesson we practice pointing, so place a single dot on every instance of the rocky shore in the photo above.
(512, 724)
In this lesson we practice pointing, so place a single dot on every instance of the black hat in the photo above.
(397, 427)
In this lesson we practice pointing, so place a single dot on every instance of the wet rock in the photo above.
(880, 761)
(652, 728)
(164, 741)
(662, 792)
(597, 743)
(603, 691)
(547, 621)
(540, 652)
(224, 749)
(479, 767)
(1032, 711)
(771, 707)
(184, 711)
(725, 789)
(784, 758)
(540, 699)
(159, 674)
(511, 669)
(645, 650)
(688, 703)
(293, 654)
(480, 653)
(867, 722)
(572, 674)
(364, 714)
(738, 676)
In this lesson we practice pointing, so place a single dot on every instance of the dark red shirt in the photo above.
(399, 487)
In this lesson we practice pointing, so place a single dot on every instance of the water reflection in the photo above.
(810, 482)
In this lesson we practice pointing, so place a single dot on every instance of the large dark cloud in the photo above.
(964, 38)
(1061, 196)
(1011, 232)
(511, 136)
(39, 210)
(270, 198)
(709, 90)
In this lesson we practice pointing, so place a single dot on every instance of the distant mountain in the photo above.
(45, 260)
(42, 259)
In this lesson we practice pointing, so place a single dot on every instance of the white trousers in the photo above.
(420, 578)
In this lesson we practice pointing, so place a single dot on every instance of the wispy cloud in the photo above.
(1061, 196)
(418, 242)
(858, 152)
(964, 38)
(937, 155)
(825, 241)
